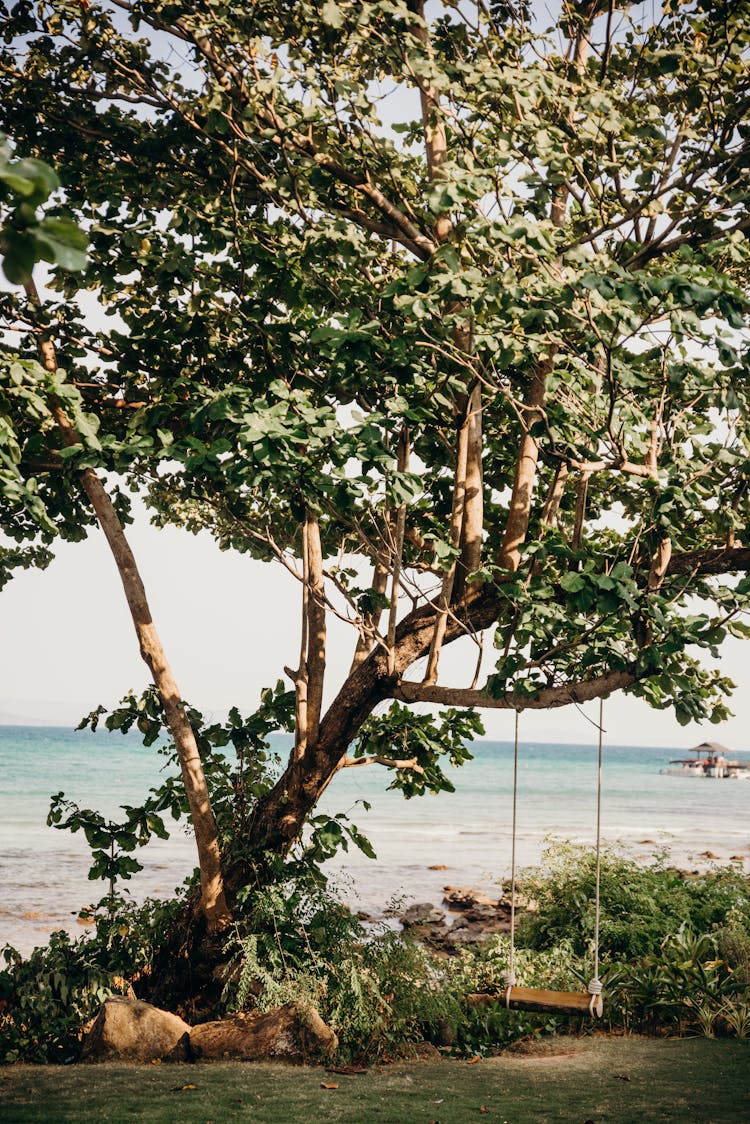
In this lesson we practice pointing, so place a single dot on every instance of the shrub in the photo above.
(47, 998)
(641, 906)
(379, 991)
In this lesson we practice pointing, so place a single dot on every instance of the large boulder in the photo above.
(289, 1033)
(130, 1030)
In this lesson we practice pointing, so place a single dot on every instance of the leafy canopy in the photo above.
(314, 228)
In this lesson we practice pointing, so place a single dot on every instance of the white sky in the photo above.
(229, 625)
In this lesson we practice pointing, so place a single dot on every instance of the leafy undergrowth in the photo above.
(622, 1079)
(675, 959)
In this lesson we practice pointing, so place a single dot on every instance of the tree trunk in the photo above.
(280, 815)
(213, 901)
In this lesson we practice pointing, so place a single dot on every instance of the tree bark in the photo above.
(473, 522)
(454, 536)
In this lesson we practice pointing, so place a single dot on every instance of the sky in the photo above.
(229, 624)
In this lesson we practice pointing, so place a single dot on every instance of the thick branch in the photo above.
(456, 523)
(472, 526)
(404, 449)
(711, 560)
(519, 511)
(300, 676)
(580, 513)
(436, 144)
(379, 584)
(555, 495)
(547, 698)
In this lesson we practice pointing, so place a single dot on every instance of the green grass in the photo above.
(565, 1079)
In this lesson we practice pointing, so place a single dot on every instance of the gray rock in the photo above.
(422, 913)
(464, 897)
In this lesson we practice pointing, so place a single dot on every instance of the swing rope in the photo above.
(509, 977)
(595, 984)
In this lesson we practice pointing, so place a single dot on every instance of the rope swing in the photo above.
(595, 984)
(538, 999)
(509, 976)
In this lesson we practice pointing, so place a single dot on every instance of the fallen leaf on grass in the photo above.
(474, 1060)
(180, 1088)
(156, 1061)
(329, 1085)
(483, 1109)
(623, 1077)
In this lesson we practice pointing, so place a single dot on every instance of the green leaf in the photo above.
(19, 256)
(62, 242)
(332, 14)
(572, 583)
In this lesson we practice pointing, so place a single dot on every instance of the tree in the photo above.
(444, 313)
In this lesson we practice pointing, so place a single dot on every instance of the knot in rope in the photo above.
(595, 991)
(509, 979)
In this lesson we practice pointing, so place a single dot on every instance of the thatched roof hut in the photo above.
(715, 749)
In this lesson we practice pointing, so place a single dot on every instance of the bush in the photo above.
(641, 906)
(675, 956)
(379, 991)
(685, 987)
(47, 998)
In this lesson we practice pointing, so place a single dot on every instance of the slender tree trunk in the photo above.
(473, 521)
(519, 513)
(316, 628)
(213, 900)
(454, 534)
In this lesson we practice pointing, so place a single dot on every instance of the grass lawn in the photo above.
(592, 1079)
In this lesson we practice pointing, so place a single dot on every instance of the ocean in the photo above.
(464, 836)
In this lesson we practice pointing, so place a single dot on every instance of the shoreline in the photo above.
(466, 833)
(377, 888)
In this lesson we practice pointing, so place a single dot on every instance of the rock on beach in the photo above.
(479, 918)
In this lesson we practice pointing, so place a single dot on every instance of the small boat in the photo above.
(709, 759)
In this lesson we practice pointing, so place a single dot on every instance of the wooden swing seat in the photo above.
(538, 999)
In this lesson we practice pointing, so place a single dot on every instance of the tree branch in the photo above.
(456, 523)
(546, 698)
(389, 762)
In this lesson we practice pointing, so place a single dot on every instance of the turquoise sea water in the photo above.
(43, 871)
